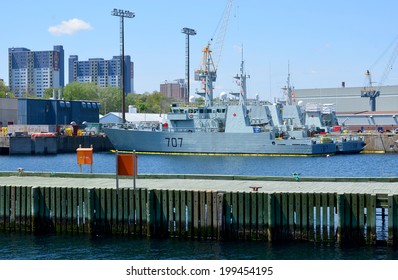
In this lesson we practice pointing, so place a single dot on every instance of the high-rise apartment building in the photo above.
(105, 73)
(32, 72)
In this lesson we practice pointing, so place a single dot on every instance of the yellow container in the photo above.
(326, 140)
(4, 131)
(69, 131)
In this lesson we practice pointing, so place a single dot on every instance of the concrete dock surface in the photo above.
(208, 183)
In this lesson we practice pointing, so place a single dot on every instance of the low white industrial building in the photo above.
(348, 99)
(354, 111)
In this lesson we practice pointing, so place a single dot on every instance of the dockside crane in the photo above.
(207, 72)
(368, 90)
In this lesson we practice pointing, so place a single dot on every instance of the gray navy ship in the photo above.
(230, 127)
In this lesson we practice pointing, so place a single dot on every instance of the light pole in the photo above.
(122, 14)
(105, 100)
(188, 32)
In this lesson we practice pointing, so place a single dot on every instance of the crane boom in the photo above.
(221, 31)
(207, 72)
(369, 91)
(389, 66)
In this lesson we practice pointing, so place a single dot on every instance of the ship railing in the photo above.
(220, 102)
(190, 129)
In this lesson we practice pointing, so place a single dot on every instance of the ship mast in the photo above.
(288, 89)
(241, 81)
(207, 76)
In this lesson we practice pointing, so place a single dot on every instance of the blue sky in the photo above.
(325, 42)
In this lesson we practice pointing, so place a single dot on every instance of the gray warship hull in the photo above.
(227, 126)
(213, 143)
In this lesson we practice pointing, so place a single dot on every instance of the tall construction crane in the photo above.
(207, 72)
(368, 90)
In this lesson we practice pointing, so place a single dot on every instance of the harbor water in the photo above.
(358, 165)
(81, 247)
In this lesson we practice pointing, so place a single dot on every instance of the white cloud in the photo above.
(69, 27)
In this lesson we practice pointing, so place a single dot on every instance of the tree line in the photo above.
(110, 98)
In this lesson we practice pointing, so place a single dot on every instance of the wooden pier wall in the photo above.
(318, 217)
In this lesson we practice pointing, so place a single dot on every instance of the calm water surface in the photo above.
(64, 247)
(361, 165)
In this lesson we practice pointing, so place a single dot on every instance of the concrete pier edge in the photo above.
(198, 176)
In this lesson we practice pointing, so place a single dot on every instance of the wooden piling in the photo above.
(254, 216)
(164, 216)
(340, 207)
(298, 220)
(3, 216)
(355, 220)
(310, 212)
(189, 213)
(262, 216)
(184, 214)
(361, 218)
(371, 219)
(291, 224)
(35, 206)
(392, 220)
(241, 215)
(211, 215)
(271, 217)
(91, 212)
(285, 216)
(178, 214)
(196, 222)
(304, 216)
(219, 215)
(277, 208)
(171, 213)
(325, 209)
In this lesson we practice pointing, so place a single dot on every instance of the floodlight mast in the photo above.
(122, 14)
(188, 32)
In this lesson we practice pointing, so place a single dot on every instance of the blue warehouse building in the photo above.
(56, 112)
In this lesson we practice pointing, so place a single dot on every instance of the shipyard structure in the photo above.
(354, 110)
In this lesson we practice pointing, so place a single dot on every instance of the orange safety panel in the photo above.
(125, 165)
(84, 155)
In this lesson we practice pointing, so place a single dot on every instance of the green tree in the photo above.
(151, 103)
(48, 92)
(4, 90)
(139, 102)
(81, 91)
(110, 99)
(200, 101)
